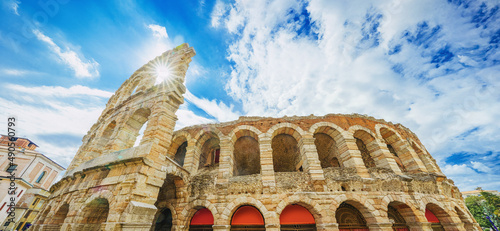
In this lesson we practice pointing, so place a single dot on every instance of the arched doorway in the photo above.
(247, 218)
(297, 218)
(398, 222)
(286, 154)
(95, 214)
(246, 156)
(202, 220)
(60, 216)
(164, 221)
(350, 219)
(435, 223)
(327, 150)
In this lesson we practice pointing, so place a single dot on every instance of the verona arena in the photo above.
(332, 172)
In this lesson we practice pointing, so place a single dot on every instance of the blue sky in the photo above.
(430, 65)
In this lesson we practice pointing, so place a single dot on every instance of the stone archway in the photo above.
(94, 215)
(350, 218)
(297, 218)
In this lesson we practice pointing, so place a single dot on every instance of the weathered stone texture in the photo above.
(322, 163)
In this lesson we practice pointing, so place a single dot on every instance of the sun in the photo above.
(163, 73)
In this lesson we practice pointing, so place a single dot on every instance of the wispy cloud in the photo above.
(76, 90)
(158, 31)
(430, 66)
(220, 111)
(17, 72)
(12, 5)
(46, 110)
(82, 68)
(219, 10)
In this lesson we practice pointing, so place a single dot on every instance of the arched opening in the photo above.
(327, 150)
(464, 218)
(169, 190)
(202, 220)
(141, 134)
(210, 152)
(392, 141)
(398, 221)
(247, 218)
(350, 219)
(424, 158)
(108, 131)
(45, 213)
(134, 126)
(297, 218)
(365, 154)
(286, 154)
(246, 156)
(94, 214)
(163, 221)
(180, 154)
(60, 216)
(436, 215)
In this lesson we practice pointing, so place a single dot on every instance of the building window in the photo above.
(28, 214)
(36, 201)
(11, 168)
(40, 177)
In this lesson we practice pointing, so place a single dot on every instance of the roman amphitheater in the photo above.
(332, 172)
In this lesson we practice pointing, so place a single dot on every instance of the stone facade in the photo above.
(330, 165)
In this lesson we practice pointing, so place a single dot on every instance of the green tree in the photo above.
(486, 203)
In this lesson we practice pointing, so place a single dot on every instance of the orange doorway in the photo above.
(297, 218)
(247, 218)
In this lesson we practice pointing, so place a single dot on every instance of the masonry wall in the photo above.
(323, 163)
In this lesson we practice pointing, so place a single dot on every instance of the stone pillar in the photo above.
(408, 157)
(453, 226)
(266, 161)
(382, 157)
(380, 227)
(221, 227)
(272, 227)
(327, 227)
(311, 162)
(225, 160)
(350, 156)
(420, 226)
(137, 216)
(189, 160)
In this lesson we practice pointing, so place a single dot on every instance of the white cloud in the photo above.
(53, 111)
(58, 91)
(12, 5)
(82, 68)
(480, 167)
(158, 31)
(188, 118)
(220, 111)
(219, 10)
(340, 64)
(17, 72)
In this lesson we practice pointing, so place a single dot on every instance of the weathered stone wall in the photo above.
(213, 166)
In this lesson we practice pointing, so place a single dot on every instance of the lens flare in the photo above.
(162, 73)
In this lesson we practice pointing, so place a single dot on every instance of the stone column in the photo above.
(382, 157)
(408, 157)
(225, 160)
(221, 227)
(380, 227)
(350, 156)
(266, 161)
(311, 161)
(327, 227)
